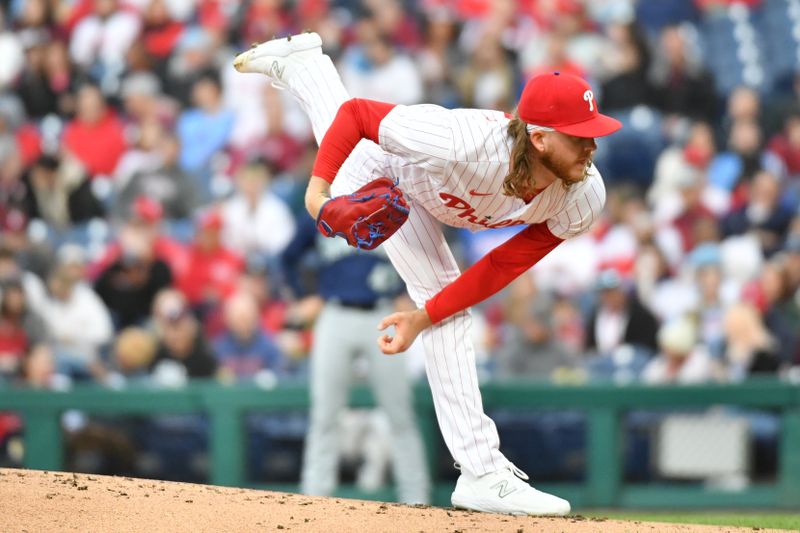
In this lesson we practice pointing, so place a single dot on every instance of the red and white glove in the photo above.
(366, 217)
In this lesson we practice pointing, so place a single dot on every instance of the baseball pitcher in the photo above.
(391, 174)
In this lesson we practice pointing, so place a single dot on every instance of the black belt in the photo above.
(361, 306)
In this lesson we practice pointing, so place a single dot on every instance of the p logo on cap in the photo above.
(589, 97)
(565, 103)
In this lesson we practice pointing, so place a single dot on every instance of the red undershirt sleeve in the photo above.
(493, 272)
(356, 119)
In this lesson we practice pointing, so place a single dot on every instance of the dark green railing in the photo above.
(603, 404)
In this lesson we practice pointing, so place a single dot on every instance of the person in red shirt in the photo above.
(20, 327)
(786, 145)
(96, 135)
(213, 270)
(467, 168)
(160, 32)
(695, 220)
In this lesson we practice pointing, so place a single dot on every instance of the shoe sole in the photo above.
(473, 507)
(279, 47)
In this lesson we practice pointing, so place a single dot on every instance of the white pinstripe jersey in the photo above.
(453, 163)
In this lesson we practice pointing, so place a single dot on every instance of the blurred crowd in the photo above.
(151, 198)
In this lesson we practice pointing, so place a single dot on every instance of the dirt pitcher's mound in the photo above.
(38, 502)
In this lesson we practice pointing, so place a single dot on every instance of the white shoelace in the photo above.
(511, 466)
(519, 473)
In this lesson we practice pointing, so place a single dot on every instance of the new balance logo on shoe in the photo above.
(276, 70)
(504, 490)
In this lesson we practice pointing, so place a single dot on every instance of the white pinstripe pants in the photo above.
(423, 259)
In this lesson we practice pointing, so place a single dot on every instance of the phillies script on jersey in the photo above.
(467, 212)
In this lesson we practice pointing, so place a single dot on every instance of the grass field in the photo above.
(740, 519)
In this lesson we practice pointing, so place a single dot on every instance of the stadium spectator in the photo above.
(129, 285)
(35, 14)
(529, 348)
(791, 251)
(21, 328)
(145, 220)
(133, 351)
(161, 32)
(16, 128)
(569, 328)
(183, 351)
(243, 349)
(743, 103)
(619, 318)
(316, 15)
(77, 319)
(779, 306)
(157, 175)
(204, 130)
(59, 193)
(681, 162)
(62, 76)
(100, 39)
(39, 369)
(555, 57)
(260, 20)
(11, 52)
(13, 192)
(12, 270)
(651, 271)
(255, 220)
(194, 56)
(96, 135)
(32, 86)
(749, 347)
(258, 281)
(437, 58)
(143, 100)
(487, 80)
(683, 85)
(625, 65)
(393, 20)
(681, 360)
(714, 295)
(20, 256)
(694, 220)
(141, 155)
(373, 68)
(764, 214)
(786, 144)
(734, 168)
(618, 239)
(276, 132)
(212, 270)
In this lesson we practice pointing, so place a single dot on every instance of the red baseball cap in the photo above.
(147, 209)
(211, 219)
(565, 103)
(13, 221)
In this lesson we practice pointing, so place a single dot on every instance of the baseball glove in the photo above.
(366, 217)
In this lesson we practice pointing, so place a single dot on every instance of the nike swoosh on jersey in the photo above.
(473, 192)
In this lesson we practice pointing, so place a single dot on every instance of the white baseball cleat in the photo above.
(279, 58)
(505, 492)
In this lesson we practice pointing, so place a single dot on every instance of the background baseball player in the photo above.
(475, 169)
(358, 289)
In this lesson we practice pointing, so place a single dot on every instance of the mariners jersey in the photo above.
(453, 162)
(352, 276)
